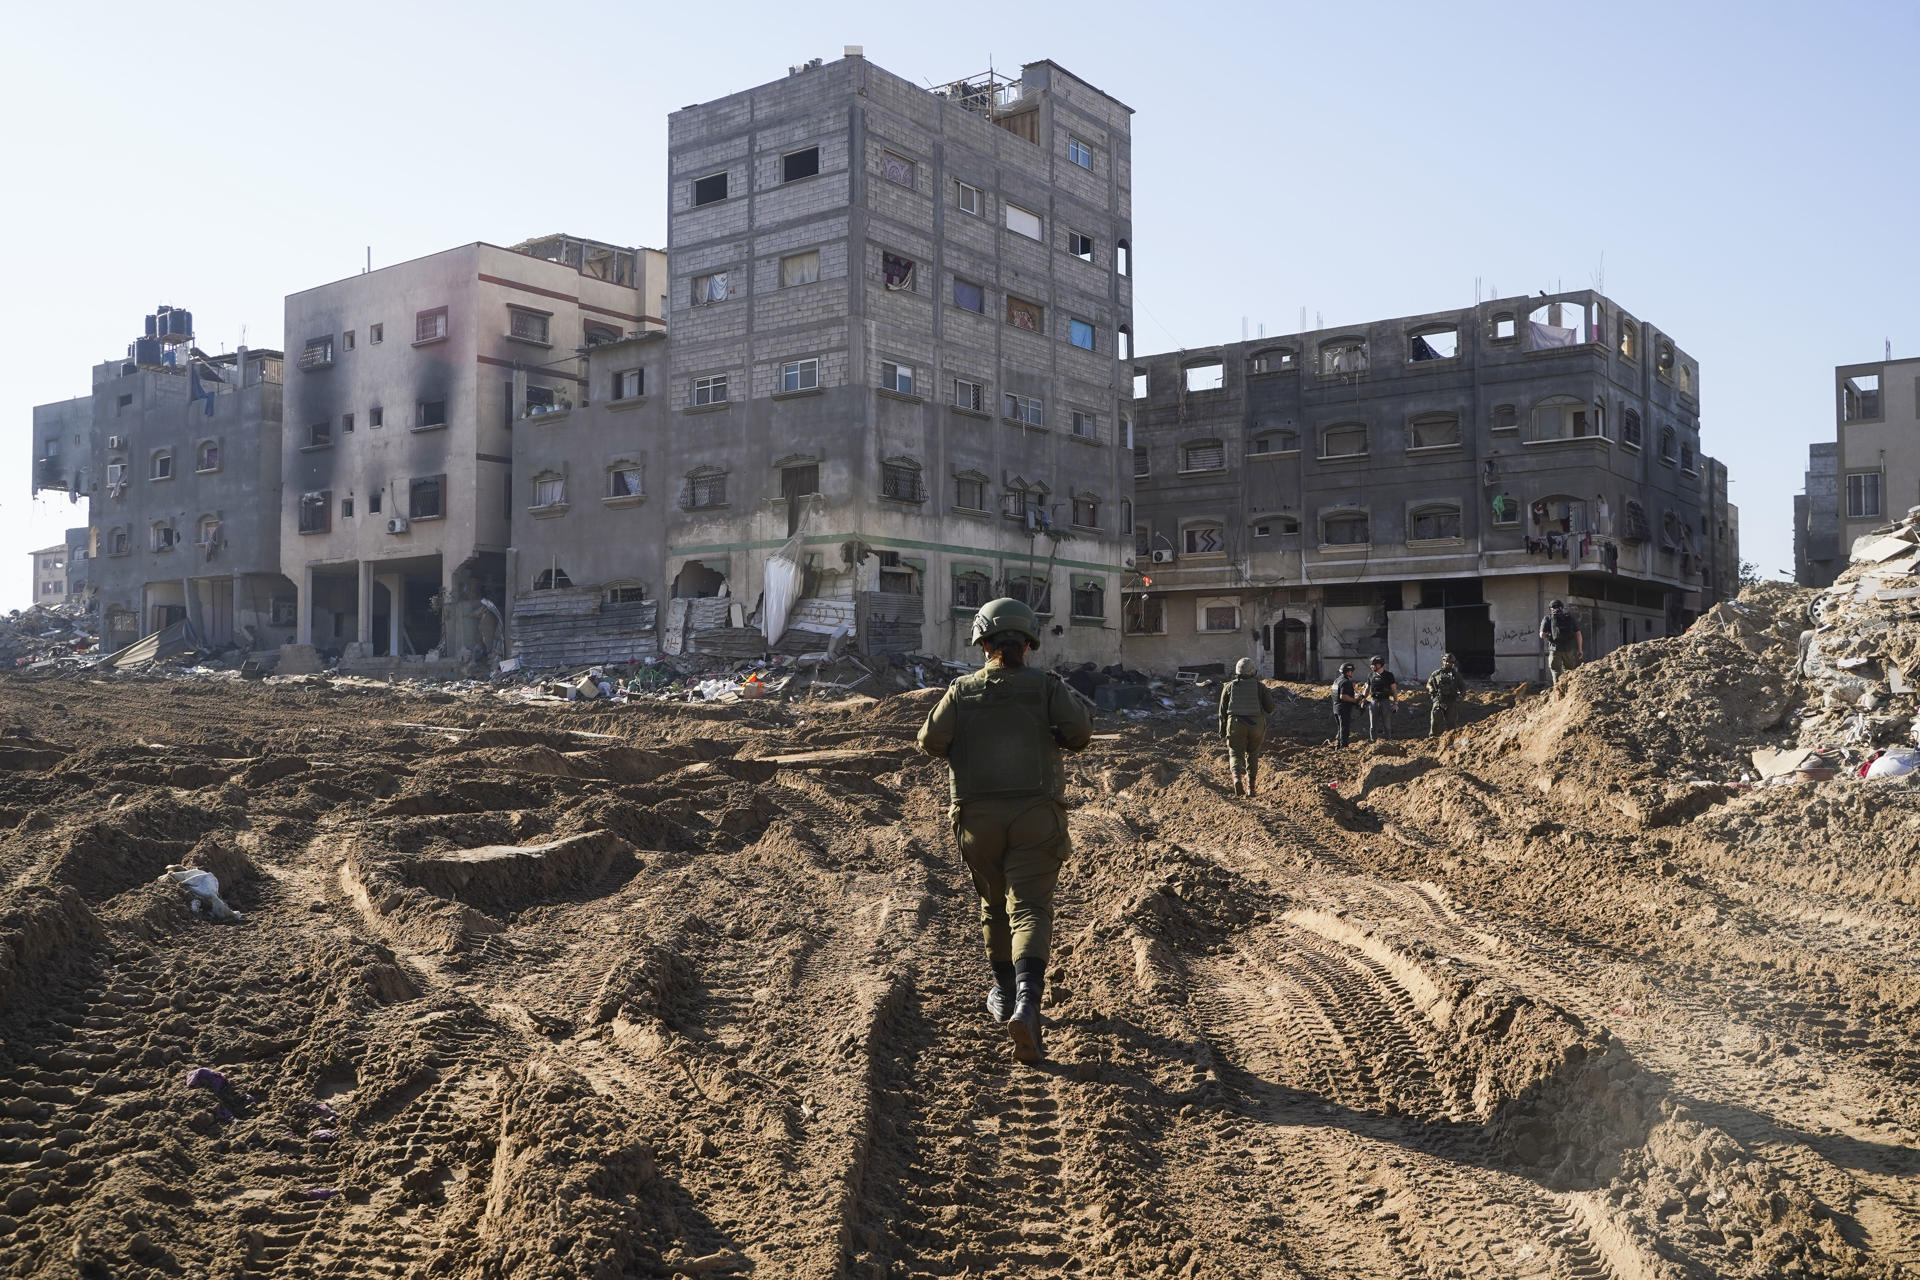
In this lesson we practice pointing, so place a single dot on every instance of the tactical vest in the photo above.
(1243, 697)
(1003, 741)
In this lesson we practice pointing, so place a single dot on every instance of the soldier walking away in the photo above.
(1446, 689)
(1346, 696)
(1381, 690)
(1245, 704)
(1566, 647)
(1001, 730)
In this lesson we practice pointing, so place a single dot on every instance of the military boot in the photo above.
(1030, 976)
(1000, 995)
(1236, 782)
(1253, 784)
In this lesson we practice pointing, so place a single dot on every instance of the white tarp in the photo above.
(784, 575)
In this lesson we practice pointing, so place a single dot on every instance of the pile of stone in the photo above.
(46, 633)
(1861, 657)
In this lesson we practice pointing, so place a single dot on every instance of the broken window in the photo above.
(896, 377)
(706, 487)
(1503, 327)
(376, 334)
(966, 197)
(900, 480)
(426, 497)
(1080, 245)
(1143, 538)
(1630, 428)
(1505, 417)
(799, 375)
(709, 190)
(1557, 324)
(970, 588)
(1089, 598)
(1080, 334)
(1209, 375)
(1021, 314)
(1434, 523)
(1663, 357)
(1271, 442)
(1205, 538)
(1122, 258)
(1273, 360)
(1086, 425)
(1686, 457)
(1216, 615)
(1024, 222)
(207, 456)
(898, 169)
(1629, 337)
(430, 413)
(160, 465)
(1346, 440)
(628, 384)
(716, 286)
(209, 528)
(1669, 443)
(319, 435)
(1145, 616)
(597, 334)
(316, 511)
(118, 542)
(1860, 398)
(527, 325)
(1343, 357)
(1345, 529)
(551, 579)
(622, 593)
(1079, 153)
(969, 296)
(800, 481)
(318, 353)
(549, 490)
(1433, 344)
(624, 481)
(162, 536)
(896, 271)
(1140, 384)
(1863, 495)
(1030, 410)
(970, 492)
(1563, 418)
(799, 164)
(897, 576)
(346, 507)
(1033, 591)
(798, 268)
(1203, 455)
(1086, 511)
(1433, 431)
(373, 503)
(968, 395)
(429, 326)
(710, 390)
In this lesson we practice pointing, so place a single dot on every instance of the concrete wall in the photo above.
(1883, 443)
(49, 574)
(1818, 555)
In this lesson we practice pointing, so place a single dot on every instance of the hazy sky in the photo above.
(1749, 173)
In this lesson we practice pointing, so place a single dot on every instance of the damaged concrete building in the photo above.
(178, 455)
(50, 574)
(1818, 557)
(1423, 484)
(1876, 457)
(895, 368)
(407, 386)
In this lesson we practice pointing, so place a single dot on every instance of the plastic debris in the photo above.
(206, 1078)
(205, 888)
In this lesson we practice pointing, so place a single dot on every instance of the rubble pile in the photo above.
(46, 633)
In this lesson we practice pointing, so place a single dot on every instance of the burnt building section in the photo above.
(1818, 556)
(589, 521)
(1424, 484)
(900, 322)
(177, 454)
(406, 387)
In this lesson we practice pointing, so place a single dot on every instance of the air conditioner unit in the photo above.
(396, 524)
(116, 442)
(1163, 557)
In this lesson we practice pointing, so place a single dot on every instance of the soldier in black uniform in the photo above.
(1346, 696)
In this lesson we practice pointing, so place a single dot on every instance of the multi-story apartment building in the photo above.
(50, 574)
(1416, 485)
(79, 551)
(1817, 557)
(406, 388)
(1876, 410)
(900, 319)
(178, 455)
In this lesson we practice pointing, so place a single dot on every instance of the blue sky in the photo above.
(1747, 173)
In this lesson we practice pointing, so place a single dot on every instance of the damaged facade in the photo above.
(178, 455)
(1423, 484)
(406, 387)
(1817, 559)
(1876, 460)
(895, 390)
(50, 574)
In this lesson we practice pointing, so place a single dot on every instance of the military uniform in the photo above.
(1561, 630)
(1245, 704)
(1446, 688)
(1001, 731)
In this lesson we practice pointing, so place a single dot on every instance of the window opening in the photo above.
(431, 413)
(1080, 153)
(1086, 512)
(549, 491)
(1346, 530)
(715, 287)
(970, 493)
(161, 466)
(1431, 524)
(1433, 431)
(967, 197)
(1208, 376)
(799, 164)
(1276, 360)
(1433, 344)
(898, 169)
(1630, 433)
(1863, 495)
(799, 268)
(1557, 324)
(624, 482)
(970, 588)
(709, 190)
(896, 377)
(1123, 343)
(901, 481)
(1080, 245)
(1503, 328)
(1122, 258)
(967, 394)
(316, 511)
(706, 488)
(800, 375)
(710, 390)
(1346, 441)
(895, 271)
(430, 326)
(527, 326)
(1204, 455)
(1022, 314)
(1860, 397)
(1204, 539)
(552, 579)
(1027, 409)
(629, 384)
(1024, 222)
(1145, 615)
(425, 497)
(1080, 334)
(1343, 357)
(1506, 417)
(1086, 425)
(969, 296)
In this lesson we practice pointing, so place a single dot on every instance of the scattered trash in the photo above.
(206, 1078)
(205, 888)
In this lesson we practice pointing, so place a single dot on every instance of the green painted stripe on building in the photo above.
(891, 544)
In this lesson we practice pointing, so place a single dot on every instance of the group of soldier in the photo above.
(1002, 730)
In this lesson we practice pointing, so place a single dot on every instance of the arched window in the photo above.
(1686, 456)
(1122, 258)
(1433, 431)
(1686, 379)
(551, 579)
(1344, 440)
(1343, 357)
(1435, 522)
(1086, 510)
(971, 588)
(1089, 598)
(625, 479)
(1345, 529)
(161, 536)
(1629, 337)
(1669, 443)
(1561, 513)
(900, 480)
(549, 489)
(1032, 590)
(206, 456)
(208, 531)
(1630, 431)
(706, 488)
(160, 465)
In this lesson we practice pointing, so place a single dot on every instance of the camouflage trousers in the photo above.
(1445, 714)
(1014, 848)
(1560, 662)
(1243, 745)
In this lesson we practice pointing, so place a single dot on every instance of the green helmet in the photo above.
(1006, 614)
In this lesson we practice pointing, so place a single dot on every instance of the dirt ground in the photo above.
(558, 992)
